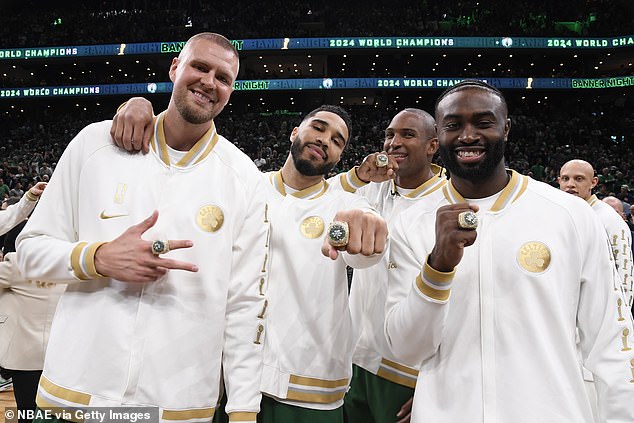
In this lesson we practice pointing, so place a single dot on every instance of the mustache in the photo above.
(319, 146)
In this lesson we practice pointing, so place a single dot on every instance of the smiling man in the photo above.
(382, 383)
(156, 310)
(304, 324)
(309, 340)
(488, 285)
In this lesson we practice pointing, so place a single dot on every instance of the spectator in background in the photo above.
(23, 318)
(625, 194)
(576, 177)
(539, 172)
(616, 204)
(607, 177)
(260, 161)
(17, 190)
(602, 190)
(4, 189)
(46, 170)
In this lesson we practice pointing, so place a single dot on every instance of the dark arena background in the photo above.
(565, 67)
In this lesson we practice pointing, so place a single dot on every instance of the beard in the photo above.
(477, 171)
(306, 167)
(192, 114)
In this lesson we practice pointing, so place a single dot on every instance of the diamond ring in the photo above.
(381, 160)
(160, 247)
(338, 233)
(467, 220)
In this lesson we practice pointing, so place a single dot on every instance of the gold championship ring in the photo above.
(467, 220)
(338, 233)
(381, 160)
(160, 247)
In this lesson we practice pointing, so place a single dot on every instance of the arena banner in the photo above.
(323, 84)
(367, 43)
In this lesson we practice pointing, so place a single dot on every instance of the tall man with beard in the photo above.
(305, 324)
(489, 284)
(155, 310)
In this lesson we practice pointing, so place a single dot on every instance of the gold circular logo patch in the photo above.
(312, 227)
(534, 256)
(210, 218)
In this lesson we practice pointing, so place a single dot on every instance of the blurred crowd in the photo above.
(543, 138)
(107, 22)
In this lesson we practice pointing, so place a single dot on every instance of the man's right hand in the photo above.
(451, 239)
(129, 258)
(133, 125)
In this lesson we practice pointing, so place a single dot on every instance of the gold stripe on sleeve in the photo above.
(74, 261)
(199, 413)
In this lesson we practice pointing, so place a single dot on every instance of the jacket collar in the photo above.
(432, 184)
(592, 200)
(309, 193)
(512, 191)
(196, 154)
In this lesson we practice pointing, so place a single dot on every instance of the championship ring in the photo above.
(381, 160)
(467, 220)
(338, 233)
(160, 247)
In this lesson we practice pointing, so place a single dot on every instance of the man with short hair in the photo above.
(305, 324)
(156, 311)
(576, 177)
(489, 284)
(381, 383)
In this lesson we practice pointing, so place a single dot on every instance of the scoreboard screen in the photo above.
(367, 43)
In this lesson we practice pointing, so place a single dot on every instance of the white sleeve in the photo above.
(417, 300)
(49, 241)
(605, 325)
(623, 259)
(242, 357)
(16, 213)
(9, 273)
(348, 181)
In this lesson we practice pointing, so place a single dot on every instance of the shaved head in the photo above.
(580, 165)
(576, 177)
(616, 204)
